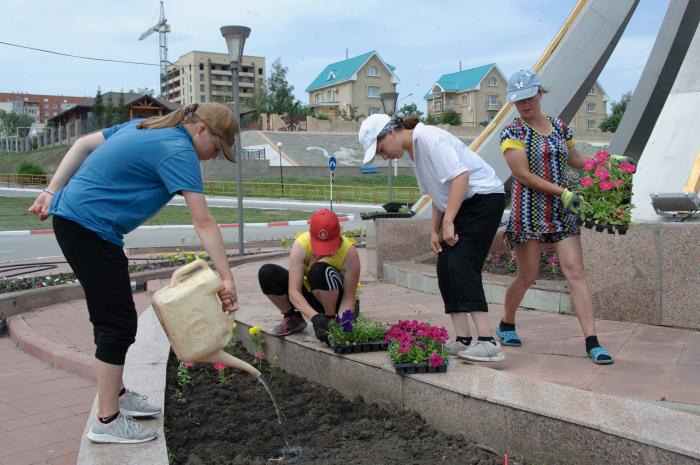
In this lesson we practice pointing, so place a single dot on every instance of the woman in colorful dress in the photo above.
(538, 148)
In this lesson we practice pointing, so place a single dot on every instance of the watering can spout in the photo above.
(229, 360)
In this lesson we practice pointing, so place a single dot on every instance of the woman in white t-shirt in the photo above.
(467, 205)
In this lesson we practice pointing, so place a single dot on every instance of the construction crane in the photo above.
(162, 28)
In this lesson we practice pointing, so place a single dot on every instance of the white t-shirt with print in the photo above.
(439, 157)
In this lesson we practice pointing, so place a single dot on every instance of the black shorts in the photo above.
(103, 271)
(459, 267)
(274, 280)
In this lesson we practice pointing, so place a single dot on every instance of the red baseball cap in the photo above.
(324, 228)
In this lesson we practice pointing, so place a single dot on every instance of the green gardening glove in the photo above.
(571, 201)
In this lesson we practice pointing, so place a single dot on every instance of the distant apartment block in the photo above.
(478, 94)
(200, 77)
(39, 107)
(357, 81)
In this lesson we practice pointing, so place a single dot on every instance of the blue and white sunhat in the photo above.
(521, 85)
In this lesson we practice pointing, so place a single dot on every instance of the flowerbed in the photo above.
(236, 424)
(23, 283)
(415, 345)
(506, 263)
(606, 190)
(350, 333)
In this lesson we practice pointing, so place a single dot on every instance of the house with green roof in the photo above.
(476, 94)
(355, 82)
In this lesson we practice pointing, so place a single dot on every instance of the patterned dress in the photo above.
(533, 214)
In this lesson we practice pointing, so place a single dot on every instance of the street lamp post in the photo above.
(389, 103)
(235, 37)
(279, 150)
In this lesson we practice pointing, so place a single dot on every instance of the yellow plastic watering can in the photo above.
(190, 311)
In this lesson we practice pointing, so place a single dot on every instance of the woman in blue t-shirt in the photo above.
(109, 183)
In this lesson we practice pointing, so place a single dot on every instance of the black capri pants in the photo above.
(103, 271)
(274, 280)
(459, 267)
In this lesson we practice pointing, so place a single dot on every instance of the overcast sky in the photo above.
(423, 39)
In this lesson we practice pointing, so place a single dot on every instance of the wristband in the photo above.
(48, 192)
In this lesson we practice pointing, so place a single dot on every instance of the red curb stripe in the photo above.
(278, 223)
(41, 231)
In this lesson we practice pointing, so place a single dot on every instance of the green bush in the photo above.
(30, 168)
(451, 117)
(323, 116)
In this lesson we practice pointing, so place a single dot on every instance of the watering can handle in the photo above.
(184, 272)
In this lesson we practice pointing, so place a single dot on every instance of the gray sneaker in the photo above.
(122, 430)
(137, 405)
(483, 351)
(455, 347)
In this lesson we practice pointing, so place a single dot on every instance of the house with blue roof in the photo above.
(355, 82)
(476, 94)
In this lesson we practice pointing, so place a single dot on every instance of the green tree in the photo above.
(280, 93)
(611, 122)
(451, 117)
(432, 119)
(121, 114)
(97, 116)
(260, 101)
(109, 112)
(350, 114)
(411, 110)
(11, 121)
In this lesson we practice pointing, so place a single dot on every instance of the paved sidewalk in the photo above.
(43, 409)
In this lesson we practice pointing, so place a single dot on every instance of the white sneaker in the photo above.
(483, 351)
(455, 347)
(122, 430)
(137, 405)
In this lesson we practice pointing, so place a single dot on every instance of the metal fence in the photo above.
(341, 193)
(269, 190)
(253, 154)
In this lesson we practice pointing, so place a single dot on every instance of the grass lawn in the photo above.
(14, 216)
(47, 158)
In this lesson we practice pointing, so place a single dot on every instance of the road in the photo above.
(44, 245)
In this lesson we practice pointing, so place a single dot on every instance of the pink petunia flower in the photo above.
(617, 183)
(628, 167)
(601, 173)
(553, 260)
(606, 185)
(601, 157)
(259, 355)
(188, 364)
(219, 366)
(435, 360)
(589, 164)
(403, 348)
(587, 181)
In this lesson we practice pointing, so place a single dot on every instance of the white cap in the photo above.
(369, 130)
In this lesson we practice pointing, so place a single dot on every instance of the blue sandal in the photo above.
(508, 338)
(598, 355)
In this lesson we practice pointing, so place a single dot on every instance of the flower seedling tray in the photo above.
(603, 227)
(413, 368)
(369, 346)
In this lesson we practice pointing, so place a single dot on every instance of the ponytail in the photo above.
(170, 120)
(406, 122)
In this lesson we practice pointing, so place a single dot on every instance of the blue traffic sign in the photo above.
(331, 163)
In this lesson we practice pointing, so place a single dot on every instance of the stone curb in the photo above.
(48, 351)
(545, 296)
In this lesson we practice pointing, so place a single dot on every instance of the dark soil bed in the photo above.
(237, 424)
(505, 263)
